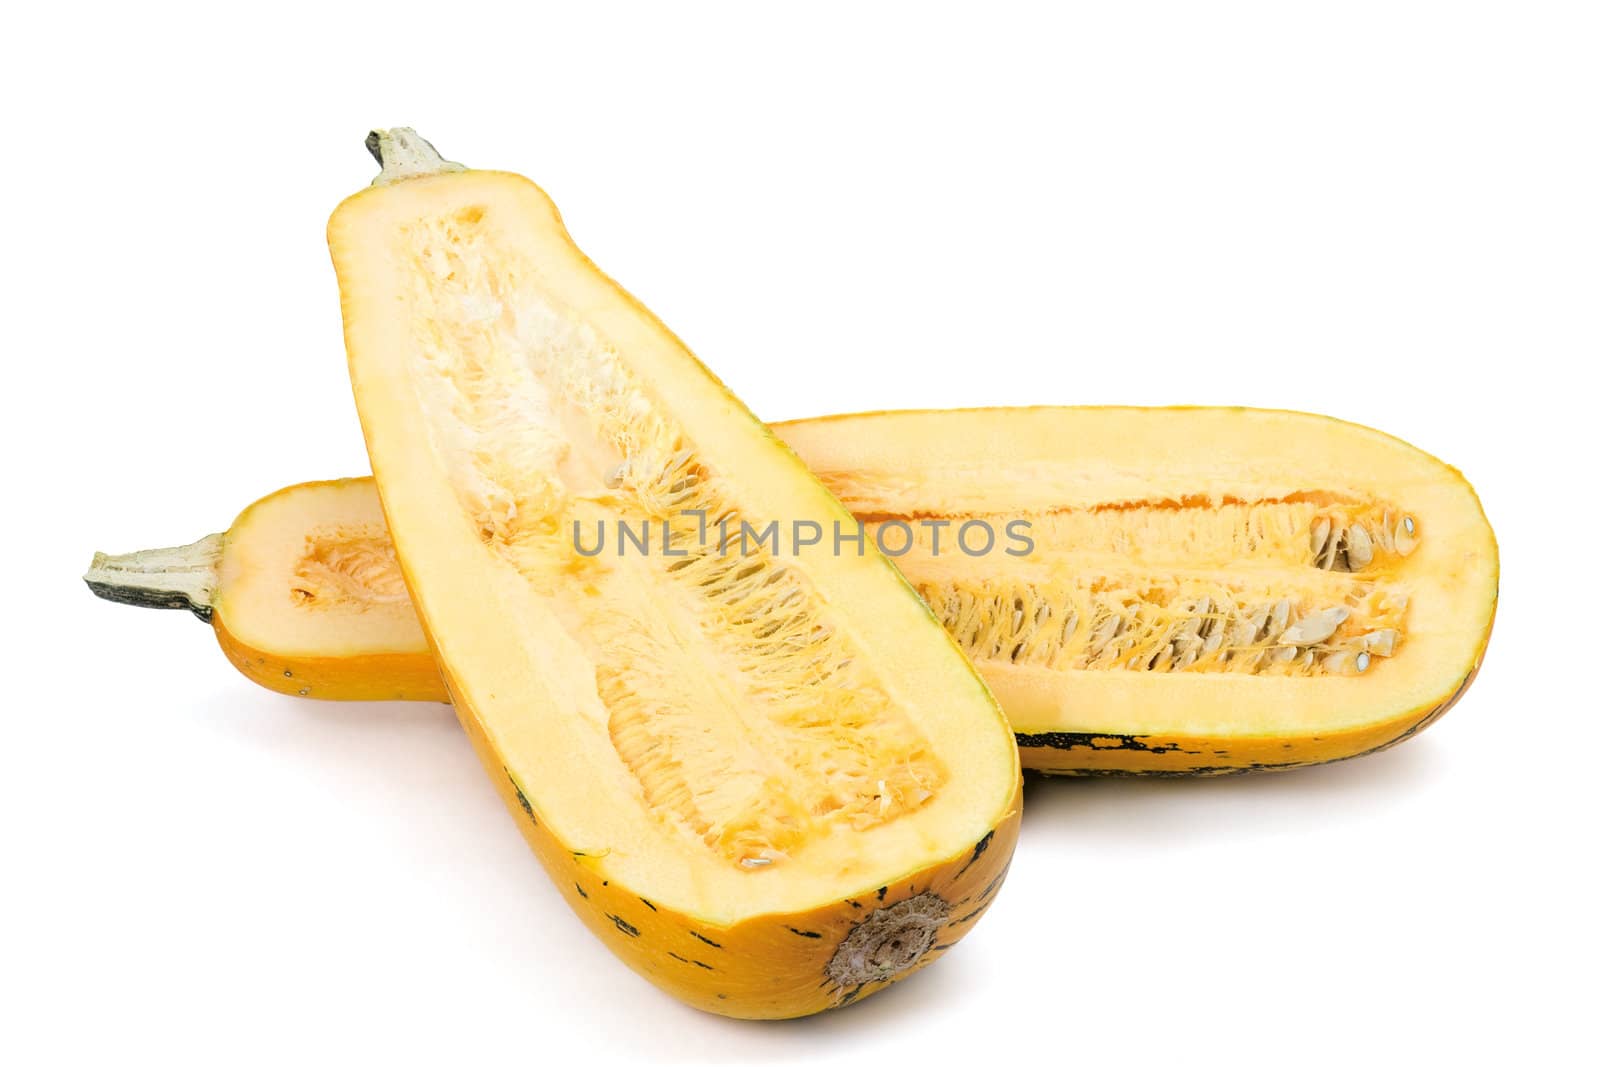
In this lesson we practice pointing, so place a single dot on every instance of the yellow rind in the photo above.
(766, 967)
(515, 705)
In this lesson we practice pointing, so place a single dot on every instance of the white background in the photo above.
(1388, 212)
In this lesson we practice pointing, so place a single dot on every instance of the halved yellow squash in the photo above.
(1207, 589)
(765, 777)
(1095, 640)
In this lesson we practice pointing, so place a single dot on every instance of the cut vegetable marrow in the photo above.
(769, 782)
(1209, 589)
(1138, 518)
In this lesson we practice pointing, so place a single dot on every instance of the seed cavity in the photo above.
(1297, 584)
(352, 567)
(1166, 625)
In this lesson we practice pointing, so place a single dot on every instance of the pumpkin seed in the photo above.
(1380, 642)
(1358, 547)
(1315, 628)
(1319, 536)
(1405, 538)
(1279, 618)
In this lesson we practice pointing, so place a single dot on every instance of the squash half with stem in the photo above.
(1144, 633)
(765, 777)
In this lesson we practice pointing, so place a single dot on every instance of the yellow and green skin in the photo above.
(1106, 754)
(778, 966)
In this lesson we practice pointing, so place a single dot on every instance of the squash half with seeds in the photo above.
(768, 780)
(1293, 590)
(1209, 590)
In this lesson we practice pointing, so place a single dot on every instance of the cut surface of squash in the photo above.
(704, 744)
(1176, 556)
(1207, 589)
